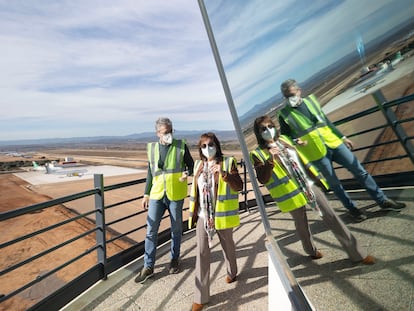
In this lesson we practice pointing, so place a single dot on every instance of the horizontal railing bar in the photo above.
(125, 234)
(42, 277)
(123, 202)
(368, 130)
(406, 120)
(374, 109)
(47, 251)
(124, 218)
(38, 206)
(124, 184)
(32, 234)
(398, 101)
(399, 157)
(389, 142)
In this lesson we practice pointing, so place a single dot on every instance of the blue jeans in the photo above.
(156, 210)
(343, 156)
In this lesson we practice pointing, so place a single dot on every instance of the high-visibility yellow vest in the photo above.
(167, 180)
(227, 200)
(308, 165)
(281, 187)
(318, 135)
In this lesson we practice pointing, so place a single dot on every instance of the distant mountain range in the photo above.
(190, 136)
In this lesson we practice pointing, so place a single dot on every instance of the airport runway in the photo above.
(352, 94)
(40, 177)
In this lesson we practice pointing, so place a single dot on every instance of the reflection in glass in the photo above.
(328, 47)
(352, 55)
(341, 51)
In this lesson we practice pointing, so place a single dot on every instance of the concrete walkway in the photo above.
(331, 283)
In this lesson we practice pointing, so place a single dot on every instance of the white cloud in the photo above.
(77, 64)
(77, 68)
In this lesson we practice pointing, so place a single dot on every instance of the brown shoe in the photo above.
(317, 255)
(369, 260)
(230, 280)
(197, 307)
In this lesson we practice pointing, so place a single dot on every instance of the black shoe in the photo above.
(174, 266)
(357, 215)
(391, 205)
(144, 275)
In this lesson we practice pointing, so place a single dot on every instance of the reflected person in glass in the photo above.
(281, 169)
(214, 209)
(303, 120)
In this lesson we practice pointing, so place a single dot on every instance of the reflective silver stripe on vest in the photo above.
(287, 196)
(157, 171)
(315, 106)
(228, 195)
(227, 213)
(276, 181)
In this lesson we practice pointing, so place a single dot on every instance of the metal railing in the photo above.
(104, 235)
(394, 123)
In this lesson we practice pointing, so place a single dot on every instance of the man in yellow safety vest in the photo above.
(303, 120)
(170, 163)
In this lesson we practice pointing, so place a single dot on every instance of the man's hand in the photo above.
(184, 176)
(145, 201)
(348, 143)
(301, 142)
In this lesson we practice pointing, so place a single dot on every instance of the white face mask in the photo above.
(294, 101)
(209, 152)
(269, 134)
(167, 138)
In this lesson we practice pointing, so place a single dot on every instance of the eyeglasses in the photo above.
(210, 144)
(293, 92)
(265, 127)
(166, 132)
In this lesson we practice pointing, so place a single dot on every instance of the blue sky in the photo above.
(264, 42)
(89, 68)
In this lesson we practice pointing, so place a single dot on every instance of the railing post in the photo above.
(394, 124)
(100, 222)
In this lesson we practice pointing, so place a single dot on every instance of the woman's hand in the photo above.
(215, 168)
(274, 151)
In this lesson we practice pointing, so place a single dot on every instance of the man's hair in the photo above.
(163, 121)
(285, 86)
